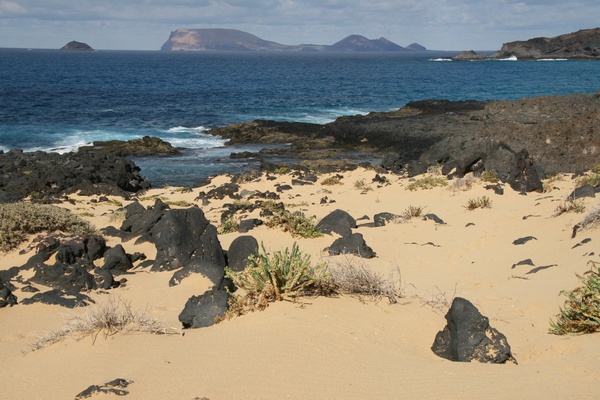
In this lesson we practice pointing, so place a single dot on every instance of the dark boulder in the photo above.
(70, 278)
(479, 154)
(48, 175)
(140, 221)
(117, 260)
(104, 279)
(7, 298)
(469, 336)
(183, 235)
(146, 146)
(381, 219)
(338, 221)
(583, 191)
(240, 249)
(201, 311)
(249, 224)
(434, 218)
(352, 244)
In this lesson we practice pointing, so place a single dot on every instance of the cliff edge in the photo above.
(581, 45)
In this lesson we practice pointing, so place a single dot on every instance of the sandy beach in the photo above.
(337, 347)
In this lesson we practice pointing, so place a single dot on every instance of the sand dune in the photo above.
(343, 347)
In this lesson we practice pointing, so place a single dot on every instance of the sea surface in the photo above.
(57, 101)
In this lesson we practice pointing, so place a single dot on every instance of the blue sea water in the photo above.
(58, 101)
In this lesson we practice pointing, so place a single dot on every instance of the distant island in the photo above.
(235, 40)
(76, 46)
(581, 45)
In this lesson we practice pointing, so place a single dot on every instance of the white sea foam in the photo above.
(552, 59)
(178, 129)
(192, 138)
(511, 58)
(440, 59)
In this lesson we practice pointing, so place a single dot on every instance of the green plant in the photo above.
(479, 202)
(17, 220)
(332, 180)
(490, 176)
(413, 212)
(576, 206)
(294, 222)
(229, 225)
(548, 183)
(581, 311)
(592, 178)
(282, 170)
(427, 182)
(282, 275)
(361, 184)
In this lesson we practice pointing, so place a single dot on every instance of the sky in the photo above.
(437, 25)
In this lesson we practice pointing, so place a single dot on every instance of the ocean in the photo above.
(58, 101)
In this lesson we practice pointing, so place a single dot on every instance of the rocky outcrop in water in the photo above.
(559, 133)
(45, 175)
(76, 46)
(583, 44)
(146, 146)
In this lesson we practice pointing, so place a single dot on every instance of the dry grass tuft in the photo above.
(413, 212)
(479, 202)
(591, 221)
(350, 276)
(576, 206)
(109, 318)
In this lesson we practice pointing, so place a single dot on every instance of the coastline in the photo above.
(340, 347)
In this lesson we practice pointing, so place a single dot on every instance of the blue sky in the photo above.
(437, 25)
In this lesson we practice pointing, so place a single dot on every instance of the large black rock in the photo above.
(201, 311)
(71, 278)
(7, 298)
(49, 174)
(477, 155)
(469, 336)
(183, 235)
(352, 244)
(338, 221)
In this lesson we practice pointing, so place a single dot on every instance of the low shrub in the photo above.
(332, 180)
(268, 278)
(427, 182)
(18, 220)
(107, 318)
(229, 225)
(479, 202)
(362, 184)
(296, 223)
(581, 311)
(351, 276)
(576, 206)
(592, 178)
(490, 176)
(413, 212)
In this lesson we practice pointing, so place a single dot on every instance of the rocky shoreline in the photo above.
(521, 141)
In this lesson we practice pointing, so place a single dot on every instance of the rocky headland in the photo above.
(581, 45)
(559, 134)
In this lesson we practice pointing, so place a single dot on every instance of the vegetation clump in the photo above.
(413, 212)
(353, 278)
(108, 318)
(490, 176)
(576, 206)
(479, 202)
(332, 180)
(428, 182)
(280, 276)
(581, 311)
(17, 220)
(592, 178)
(362, 184)
(229, 225)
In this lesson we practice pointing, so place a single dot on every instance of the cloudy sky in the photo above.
(437, 25)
